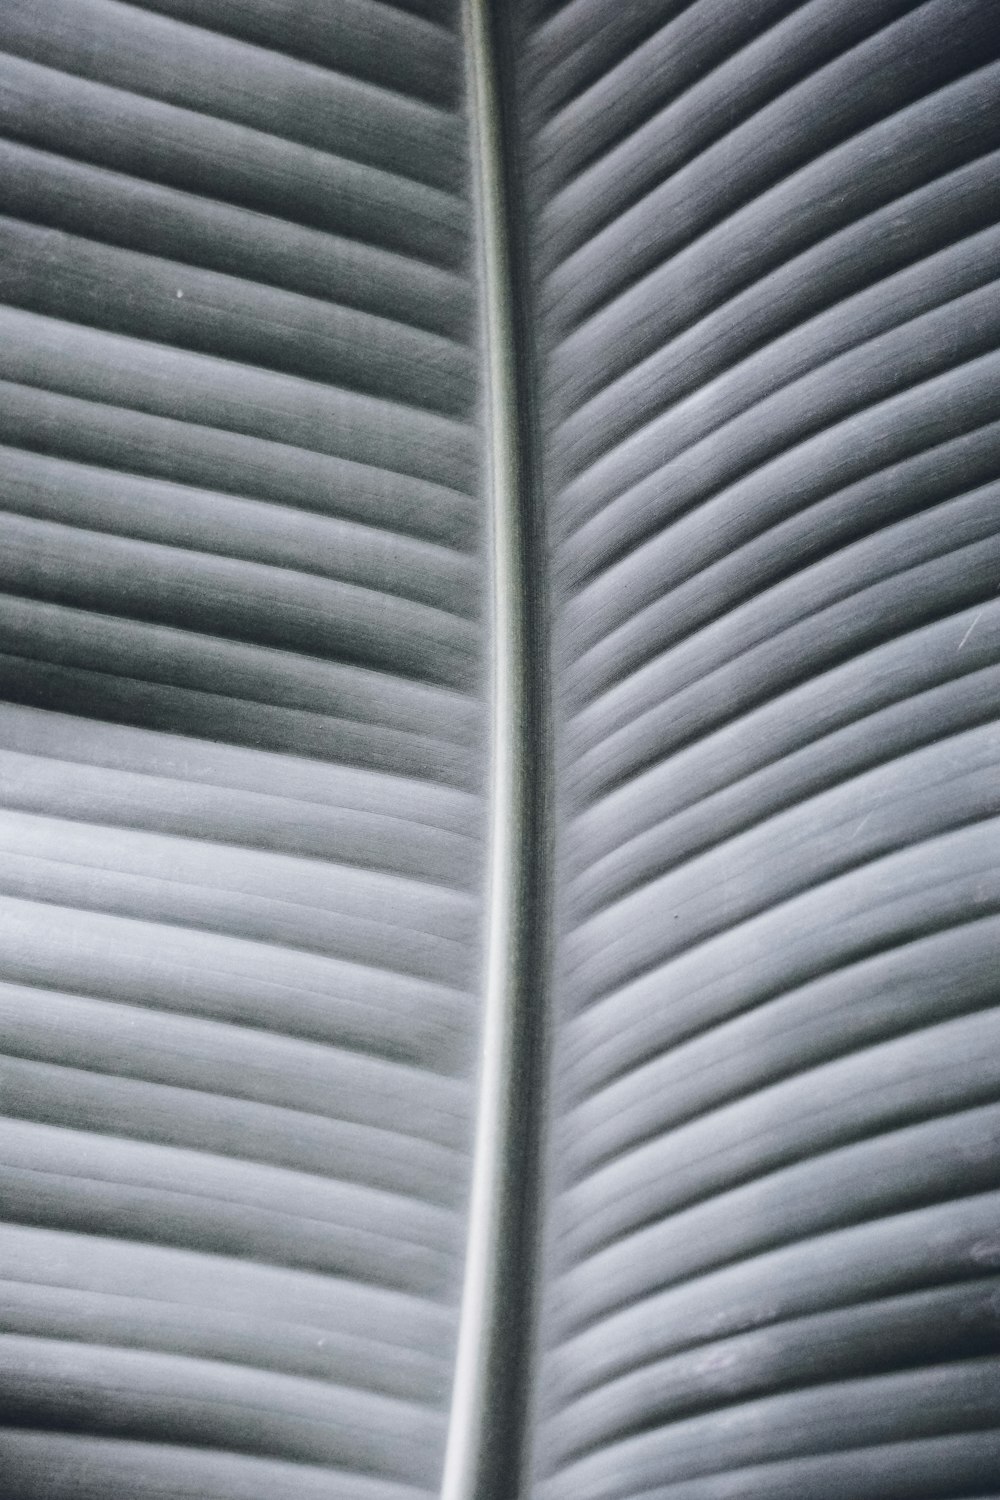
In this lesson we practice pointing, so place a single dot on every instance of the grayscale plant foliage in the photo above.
(499, 788)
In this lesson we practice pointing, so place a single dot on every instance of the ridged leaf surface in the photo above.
(763, 253)
(242, 748)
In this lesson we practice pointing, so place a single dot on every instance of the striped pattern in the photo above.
(764, 246)
(242, 745)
